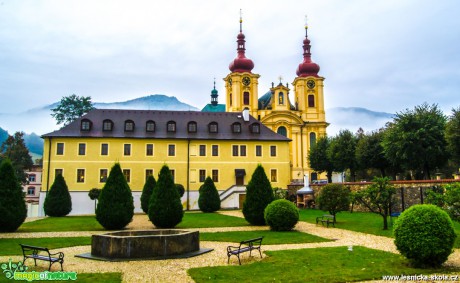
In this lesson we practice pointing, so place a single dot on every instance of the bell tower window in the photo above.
(246, 98)
(281, 98)
(311, 100)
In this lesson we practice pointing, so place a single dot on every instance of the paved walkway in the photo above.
(176, 270)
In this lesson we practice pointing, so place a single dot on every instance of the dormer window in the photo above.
(150, 126)
(213, 127)
(255, 128)
(129, 126)
(192, 127)
(171, 127)
(85, 125)
(236, 128)
(107, 125)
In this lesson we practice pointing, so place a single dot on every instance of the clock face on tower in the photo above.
(310, 83)
(246, 81)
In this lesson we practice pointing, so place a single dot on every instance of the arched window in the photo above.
(281, 98)
(192, 127)
(311, 100)
(282, 131)
(85, 125)
(246, 98)
(255, 128)
(129, 126)
(236, 127)
(150, 126)
(171, 127)
(312, 139)
(107, 125)
(213, 127)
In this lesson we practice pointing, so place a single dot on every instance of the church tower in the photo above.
(241, 84)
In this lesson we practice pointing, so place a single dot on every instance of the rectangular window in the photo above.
(258, 150)
(103, 175)
(127, 149)
(171, 150)
(31, 190)
(235, 150)
(215, 150)
(149, 149)
(173, 174)
(202, 150)
(105, 149)
(81, 149)
(80, 175)
(242, 150)
(273, 150)
(215, 175)
(60, 148)
(273, 174)
(148, 172)
(246, 98)
(57, 172)
(32, 178)
(127, 174)
(202, 175)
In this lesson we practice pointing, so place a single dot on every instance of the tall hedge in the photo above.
(209, 200)
(115, 208)
(13, 210)
(165, 207)
(58, 201)
(147, 193)
(259, 194)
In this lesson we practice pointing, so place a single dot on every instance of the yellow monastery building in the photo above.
(225, 142)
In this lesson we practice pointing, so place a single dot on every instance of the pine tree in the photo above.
(13, 208)
(115, 208)
(147, 191)
(209, 200)
(58, 201)
(165, 207)
(259, 194)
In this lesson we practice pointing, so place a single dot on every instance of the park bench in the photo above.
(245, 246)
(326, 219)
(41, 253)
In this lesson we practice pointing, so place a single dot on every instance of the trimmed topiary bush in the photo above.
(13, 208)
(281, 215)
(165, 207)
(94, 194)
(115, 208)
(259, 194)
(425, 235)
(209, 200)
(147, 191)
(58, 201)
(180, 189)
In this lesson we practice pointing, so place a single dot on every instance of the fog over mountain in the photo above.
(38, 121)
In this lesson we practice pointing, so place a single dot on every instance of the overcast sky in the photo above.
(384, 55)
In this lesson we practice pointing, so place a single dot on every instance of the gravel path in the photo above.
(175, 270)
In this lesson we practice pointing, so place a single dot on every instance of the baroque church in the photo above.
(301, 120)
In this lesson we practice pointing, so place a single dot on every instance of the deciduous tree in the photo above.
(70, 108)
(342, 152)
(370, 152)
(14, 148)
(334, 198)
(453, 135)
(319, 159)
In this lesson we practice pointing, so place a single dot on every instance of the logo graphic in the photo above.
(18, 271)
(10, 268)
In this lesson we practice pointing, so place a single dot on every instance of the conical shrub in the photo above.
(209, 200)
(147, 193)
(165, 207)
(259, 194)
(115, 208)
(58, 201)
(13, 208)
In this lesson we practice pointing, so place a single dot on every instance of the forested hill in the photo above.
(33, 142)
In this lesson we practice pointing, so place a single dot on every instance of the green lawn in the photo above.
(210, 220)
(270, 237)
(335, 264)
(11, 246)
(108, 277)
(365, 222)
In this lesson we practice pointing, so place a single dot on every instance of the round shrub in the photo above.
(281, 215)
(180, 188)
(425, 235)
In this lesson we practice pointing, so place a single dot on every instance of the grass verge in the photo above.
(270, 237)
(11, 246)
(335, 264)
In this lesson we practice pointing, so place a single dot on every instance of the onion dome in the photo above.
(307, 67)
(214, 95)
(241, 64)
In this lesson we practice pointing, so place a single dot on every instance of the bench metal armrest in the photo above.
(61, 255)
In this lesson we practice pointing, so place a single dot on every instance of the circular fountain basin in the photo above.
(159, 243)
